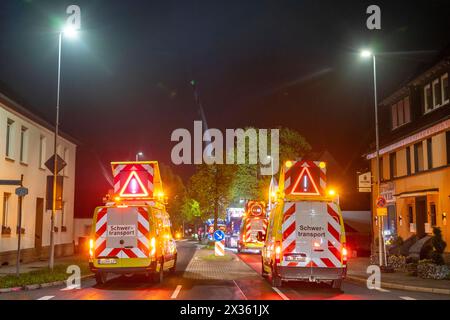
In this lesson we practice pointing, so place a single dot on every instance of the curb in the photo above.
(390, 285)
(39, 286)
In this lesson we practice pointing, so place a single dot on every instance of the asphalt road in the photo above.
(249, 285)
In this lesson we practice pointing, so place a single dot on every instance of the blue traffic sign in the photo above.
(219, 235)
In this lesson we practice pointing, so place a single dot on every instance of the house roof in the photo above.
(13, 101)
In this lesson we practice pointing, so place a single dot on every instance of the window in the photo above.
(394, 116)
(9, 138)
(410, 214)
(401, 113)
(23, 144)
(437, 98)
(381, 169)
(436, 93)
(393, 165)
(5, 211)
(445, 92)
(447, 137)
(63, 214)
(408, 161)
(433, 213)
(66, 160)
(430, 153)
(418, 157)
(428, 98)
(42, 151)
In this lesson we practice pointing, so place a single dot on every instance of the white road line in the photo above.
(71, 287)
(281, 294)
(407, 298)
(382, 290)
(240, 290)
(46, 298)
(176, 292)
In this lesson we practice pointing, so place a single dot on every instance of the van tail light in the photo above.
(91, 248)
(152, 247)
(277, 251)
(344, 254)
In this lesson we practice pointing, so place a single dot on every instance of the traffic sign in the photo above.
(365, 182)
(10, 182)
(219, 248)
(381, 202)
(21, 191)
(381, 212)
(50, 164)
(219, 235)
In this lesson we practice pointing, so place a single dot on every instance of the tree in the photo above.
(176, 193)
(249, 184)
(438, 246)
(211, 187)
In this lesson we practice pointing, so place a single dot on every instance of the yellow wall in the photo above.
(437, 178)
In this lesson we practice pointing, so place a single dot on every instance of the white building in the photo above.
(26, 143)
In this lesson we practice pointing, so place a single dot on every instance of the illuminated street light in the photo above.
(366, 53)
(71, 32)
(139, 154)
(382, 245)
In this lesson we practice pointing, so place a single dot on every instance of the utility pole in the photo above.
(19, 226)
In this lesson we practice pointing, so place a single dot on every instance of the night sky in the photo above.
(125, 80)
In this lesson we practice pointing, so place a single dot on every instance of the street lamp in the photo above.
(71, 32)
(271, 181)
(367, 54)
(139, 154)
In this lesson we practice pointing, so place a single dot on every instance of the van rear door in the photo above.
(253, 226)
(311, 234)
(121, 233)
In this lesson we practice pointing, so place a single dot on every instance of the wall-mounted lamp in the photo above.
(444, 218)
(376, 220)
(400, 220)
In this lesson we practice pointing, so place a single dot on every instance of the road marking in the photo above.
(240, 290)
(46, 298)
(71, 287)
(281, 294)
(382, 290)
(407, 298)
(176, 292)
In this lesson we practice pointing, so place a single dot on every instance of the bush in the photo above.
(426, 269)
(438, 247)
(398, 262)
(411, 268)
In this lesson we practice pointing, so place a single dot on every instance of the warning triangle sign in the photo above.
(133, 187)
(305, 185)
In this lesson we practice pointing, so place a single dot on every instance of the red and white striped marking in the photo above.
(141, 251)
(292, 174)
(122, 171)
(220, 248)
(330, 257)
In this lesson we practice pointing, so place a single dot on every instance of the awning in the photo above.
(417, 193)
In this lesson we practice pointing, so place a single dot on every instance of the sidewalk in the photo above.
(36, 265)
(205, 266)
(357, 271)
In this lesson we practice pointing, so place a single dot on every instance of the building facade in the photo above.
(26, 143)
(415, 156)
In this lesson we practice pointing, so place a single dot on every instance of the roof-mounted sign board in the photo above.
(136, 180)
(303, 178)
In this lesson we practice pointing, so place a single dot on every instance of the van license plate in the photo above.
(295, 258)
(107, 261)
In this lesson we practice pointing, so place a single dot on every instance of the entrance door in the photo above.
(38, 226)
(421, 216)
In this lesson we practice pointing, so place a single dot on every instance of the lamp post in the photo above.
(139, 154)
(271, 180)
(382, 249)
(71, 32)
